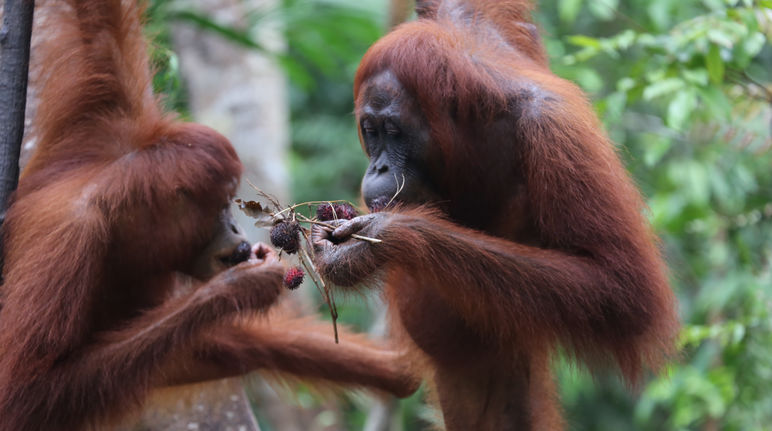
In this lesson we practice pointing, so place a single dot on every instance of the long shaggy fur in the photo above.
(544, 242)
(118, 198)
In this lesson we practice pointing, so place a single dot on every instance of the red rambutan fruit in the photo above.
(340, 211)
(345, 211)
(325, 212)
(293, 278)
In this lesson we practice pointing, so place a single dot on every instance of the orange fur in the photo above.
(118, 199)
(542, 241)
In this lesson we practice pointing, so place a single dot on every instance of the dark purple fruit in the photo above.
(340, 211)
(286, 236)
(345, 211)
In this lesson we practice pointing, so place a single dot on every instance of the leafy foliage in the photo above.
(684, 89)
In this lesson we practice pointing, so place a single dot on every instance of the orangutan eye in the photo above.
(391, 128)
(367, 127)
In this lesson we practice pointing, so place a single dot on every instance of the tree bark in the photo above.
(15, 36)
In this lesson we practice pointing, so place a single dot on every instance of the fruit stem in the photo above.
(305, 259)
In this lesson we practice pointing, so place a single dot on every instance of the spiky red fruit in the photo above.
(285, 235)
(325, 212)
(379, 204)
(340, 211)
(345, 211)
(293, 278)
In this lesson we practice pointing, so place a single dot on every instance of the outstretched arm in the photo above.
(301, 347)
(501, 287)
(476, 273)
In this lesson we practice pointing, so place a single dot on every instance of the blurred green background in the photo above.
(684, 88)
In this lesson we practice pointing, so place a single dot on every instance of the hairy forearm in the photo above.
(298, 347)
(312, 353)
(491, 280)
(178, 321)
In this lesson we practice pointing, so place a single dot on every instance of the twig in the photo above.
(759, 84)
(305, 219)
(309, 203)
(268, 217)
(400, 187)
(270, 198)
(305, 259)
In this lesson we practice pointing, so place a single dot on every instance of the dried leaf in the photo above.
(263, 216)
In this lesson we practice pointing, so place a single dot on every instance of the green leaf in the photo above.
(753, 45)
(656, 148)
(589, 79)
(584, 41)
(719, 37)
(625, 39)
(715, 64)
(235, 35)
(662, 87)
(716, 101)
(659, 12)
(604, 9)
(691, 177)
(625, 84)
(615, 105)
(696, 76)
(680, 108)
(568, 10)
(715, 5)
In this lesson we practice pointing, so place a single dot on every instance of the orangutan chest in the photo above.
(434, 326)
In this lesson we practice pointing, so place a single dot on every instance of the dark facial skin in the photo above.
(227, 248)
(397, 141)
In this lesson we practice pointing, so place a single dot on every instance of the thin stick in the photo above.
(303, 254)
(309, 203)
(399, 188)
(334, 213)
(305, 219)
(326, 293)
(270, 198)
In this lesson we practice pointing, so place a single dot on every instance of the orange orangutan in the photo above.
(118, 203)
(533, 237)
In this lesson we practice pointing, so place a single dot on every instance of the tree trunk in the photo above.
(15, 36)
